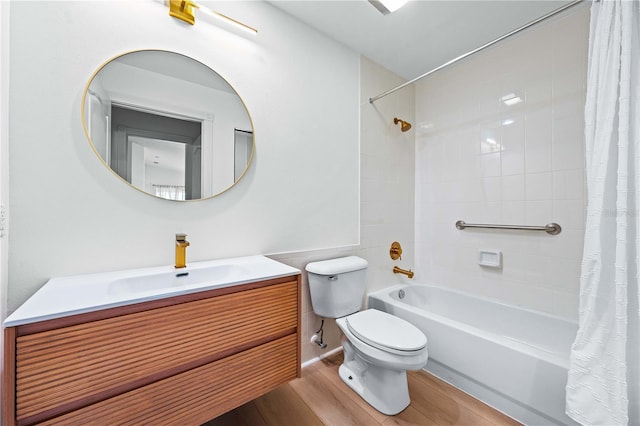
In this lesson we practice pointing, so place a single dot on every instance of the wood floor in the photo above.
(321, 398)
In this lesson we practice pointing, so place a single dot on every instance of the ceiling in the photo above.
(423, 34)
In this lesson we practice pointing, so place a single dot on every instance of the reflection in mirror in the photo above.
(243, 145)
(168, 125)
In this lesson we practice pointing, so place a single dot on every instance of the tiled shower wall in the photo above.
(500, 139)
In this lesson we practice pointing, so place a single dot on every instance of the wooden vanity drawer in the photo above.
(198, 395)
(78, 365)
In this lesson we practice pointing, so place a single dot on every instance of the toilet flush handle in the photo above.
(332, 277)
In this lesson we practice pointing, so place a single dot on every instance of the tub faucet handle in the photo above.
(395, 251)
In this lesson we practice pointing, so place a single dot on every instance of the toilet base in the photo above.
(384, 389)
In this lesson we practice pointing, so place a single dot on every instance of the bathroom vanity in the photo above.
(179, 356)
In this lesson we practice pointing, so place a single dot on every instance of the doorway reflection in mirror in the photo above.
(162, 121)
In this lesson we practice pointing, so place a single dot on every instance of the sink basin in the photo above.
(179, 278)
(77, 294)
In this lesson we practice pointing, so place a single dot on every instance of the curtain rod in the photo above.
(491, 43)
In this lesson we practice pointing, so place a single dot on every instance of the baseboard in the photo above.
(319, 358)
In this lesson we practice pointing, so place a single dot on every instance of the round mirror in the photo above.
(168, 125)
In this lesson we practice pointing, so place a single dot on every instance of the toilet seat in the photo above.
(386, 332)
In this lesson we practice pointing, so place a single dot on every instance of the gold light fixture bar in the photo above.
(229, 19)
(183, 10)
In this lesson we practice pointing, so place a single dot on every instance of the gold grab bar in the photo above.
(549, 228)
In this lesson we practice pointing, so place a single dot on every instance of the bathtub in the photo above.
(515, 360)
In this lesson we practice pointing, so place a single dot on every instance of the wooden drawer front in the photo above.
(92, 361)
(198, 395)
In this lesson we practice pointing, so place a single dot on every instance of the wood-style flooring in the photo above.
(321, 398)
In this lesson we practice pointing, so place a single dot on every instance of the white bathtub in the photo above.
(513, 359)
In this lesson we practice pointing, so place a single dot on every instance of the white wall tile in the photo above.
(565, 301)
(513, 212)
(513, 160)
(564, 273)
(513, 187)
(491, 189)
(539, 137)
(539, 186)
(538, 212)
(568, 156)
(571, 213)
(519, 164)
(535, 271)
(539, 156)
(513, 131)
(491, 164)
(569, 184)
(491, 138)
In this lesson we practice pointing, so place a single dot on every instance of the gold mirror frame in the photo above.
(186, 58)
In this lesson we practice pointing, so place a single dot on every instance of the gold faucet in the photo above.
(408, 273)
(181, 250)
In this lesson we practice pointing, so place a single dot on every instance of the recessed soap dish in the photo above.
(490, 258)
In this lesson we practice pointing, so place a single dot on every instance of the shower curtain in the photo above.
(602, 387)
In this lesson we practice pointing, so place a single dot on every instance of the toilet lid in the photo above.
(383, 330)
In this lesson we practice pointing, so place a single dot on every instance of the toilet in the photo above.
(378, 347)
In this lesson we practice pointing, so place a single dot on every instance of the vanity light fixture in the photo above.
(387, 6)
(183, 10)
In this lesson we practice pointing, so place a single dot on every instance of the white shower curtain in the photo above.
(602, 386)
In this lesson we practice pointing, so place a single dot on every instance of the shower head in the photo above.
(404, 125)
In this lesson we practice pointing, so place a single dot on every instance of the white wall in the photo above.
(4, 160)
(532, 175)
(72, 216)
(387, 174)
(386, 201)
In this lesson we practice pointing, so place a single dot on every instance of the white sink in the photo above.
(65, 296)
(179, 278)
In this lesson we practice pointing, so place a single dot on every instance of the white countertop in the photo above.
(65, 296)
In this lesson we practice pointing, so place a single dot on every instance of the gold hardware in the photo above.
(395, 251)
(235, 22)
(181, 250)
(182, 10)
(404, 125)
(408, 273)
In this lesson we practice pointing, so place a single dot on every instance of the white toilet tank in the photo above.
(337, 286)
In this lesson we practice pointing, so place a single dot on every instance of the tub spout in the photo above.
(181, 250)
(408, 273)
